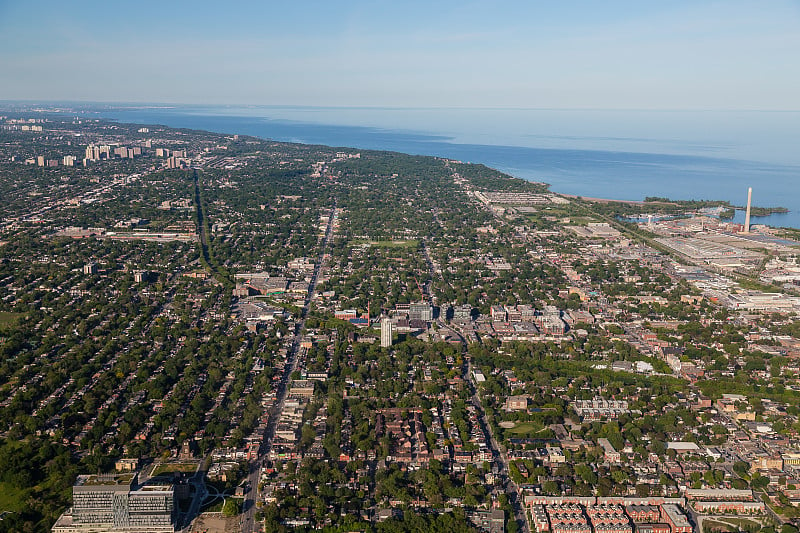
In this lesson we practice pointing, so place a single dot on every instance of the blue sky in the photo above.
(573, 54)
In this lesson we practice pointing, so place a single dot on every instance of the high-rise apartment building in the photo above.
(92, 152)
(387, 330)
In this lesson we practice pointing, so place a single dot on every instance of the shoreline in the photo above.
(584, 171)
(600, 200)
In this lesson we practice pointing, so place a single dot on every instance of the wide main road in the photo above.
(249, 508)
(498, 456)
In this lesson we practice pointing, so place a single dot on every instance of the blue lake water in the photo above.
(624, 155)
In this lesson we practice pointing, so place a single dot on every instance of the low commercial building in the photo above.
(127, 465)
(744, 495)
(728, 507)
(652, 528)
(677, 521)
(611, 454)
(489, 521)
(516, 403)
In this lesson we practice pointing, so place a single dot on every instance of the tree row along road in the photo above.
(202, 232)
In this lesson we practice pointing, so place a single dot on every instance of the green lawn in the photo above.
(731, 524)
(216, 507)
(12, 498)
(525, 428)
(9, 319)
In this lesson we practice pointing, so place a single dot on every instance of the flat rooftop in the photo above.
(105, 479)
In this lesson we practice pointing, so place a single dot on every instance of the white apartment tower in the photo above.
(387, 330)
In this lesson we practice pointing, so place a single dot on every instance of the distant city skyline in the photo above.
(612, 55)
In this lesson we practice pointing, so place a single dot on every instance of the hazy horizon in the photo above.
(619, 55)
(132, 103)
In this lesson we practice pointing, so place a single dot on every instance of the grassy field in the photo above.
(9, 319)
(731, 524)
(12, 498)
(216, 507)
(525, 429)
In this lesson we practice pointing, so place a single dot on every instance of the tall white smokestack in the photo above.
(747, 213)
